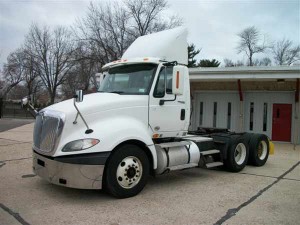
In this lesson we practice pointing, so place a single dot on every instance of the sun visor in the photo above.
(169, 45)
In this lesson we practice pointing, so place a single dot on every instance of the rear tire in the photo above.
(237, 156)
(126, 171)
(259, 149)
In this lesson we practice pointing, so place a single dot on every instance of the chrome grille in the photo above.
(47, 130)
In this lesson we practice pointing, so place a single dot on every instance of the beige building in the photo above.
(251, 99)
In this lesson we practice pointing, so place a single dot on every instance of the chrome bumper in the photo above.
(67, 174)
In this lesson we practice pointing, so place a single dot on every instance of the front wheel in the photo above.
(237, 157)
(127, 171)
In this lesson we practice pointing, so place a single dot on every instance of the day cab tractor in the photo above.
(136, 125)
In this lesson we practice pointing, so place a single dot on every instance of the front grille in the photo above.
(47, 130)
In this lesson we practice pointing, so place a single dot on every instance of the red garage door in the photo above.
(282, 120)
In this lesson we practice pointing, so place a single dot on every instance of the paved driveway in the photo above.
(7, 124)
(264, 195)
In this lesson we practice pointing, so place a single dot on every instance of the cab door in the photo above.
(167, 112)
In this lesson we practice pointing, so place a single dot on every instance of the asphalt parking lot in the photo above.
(264, 195)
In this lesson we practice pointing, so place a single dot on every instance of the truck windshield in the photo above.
(129, 79)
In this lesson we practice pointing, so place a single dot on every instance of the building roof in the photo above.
(244, 73)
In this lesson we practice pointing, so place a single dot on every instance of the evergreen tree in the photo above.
(192, 52)
(209, 63)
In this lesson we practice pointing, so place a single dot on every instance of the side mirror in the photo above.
(24, 101)
(78, 96)
(178, 79)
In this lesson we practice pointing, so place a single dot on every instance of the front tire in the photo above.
(127, 171)
(238, 154)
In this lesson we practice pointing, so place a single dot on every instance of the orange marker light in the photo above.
(177, 80)
(155, 136)
(146, 59)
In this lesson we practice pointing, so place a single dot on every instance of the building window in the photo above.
(201, 114)
(251, 115)
(265, 117)
(215, 115)
(229, 115)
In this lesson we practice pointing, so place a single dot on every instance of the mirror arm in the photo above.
(162, 101)
(88, 131)
(31, 110)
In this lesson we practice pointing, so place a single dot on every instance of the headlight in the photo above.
(79, 145)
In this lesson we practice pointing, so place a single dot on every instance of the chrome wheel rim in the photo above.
(240, 154)
(129, 172)
(262, 150)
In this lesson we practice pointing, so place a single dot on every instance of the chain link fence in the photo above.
(13, 109)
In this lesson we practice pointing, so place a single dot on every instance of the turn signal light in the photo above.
(155, 136)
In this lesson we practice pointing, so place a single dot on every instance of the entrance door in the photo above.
(282, 120)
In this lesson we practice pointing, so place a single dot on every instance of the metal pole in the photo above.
(1, 107)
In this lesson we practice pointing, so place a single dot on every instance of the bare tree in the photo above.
(32, 80)
(13, 71)
(81, 75)
(251, 43)
(262, 62)
(231, 63)
(147, 16)
(285, 53)
(52, 54)
(109, 29)
(104, 31)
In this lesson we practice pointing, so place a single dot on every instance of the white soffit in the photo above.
(169, 45)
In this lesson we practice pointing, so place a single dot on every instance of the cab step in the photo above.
(213, 164)
(197, 139)
(184, 166)
(173, 144)
(210, 152)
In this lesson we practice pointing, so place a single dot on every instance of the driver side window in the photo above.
(164, 82)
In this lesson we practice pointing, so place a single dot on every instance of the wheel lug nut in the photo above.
(126, 178)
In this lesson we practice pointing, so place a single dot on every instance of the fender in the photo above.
(111, 131)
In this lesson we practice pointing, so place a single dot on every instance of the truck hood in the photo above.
(96, 102)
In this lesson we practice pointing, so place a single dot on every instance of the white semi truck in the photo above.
(136, 125)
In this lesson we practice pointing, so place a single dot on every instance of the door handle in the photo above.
(182, 102)
(182, 114)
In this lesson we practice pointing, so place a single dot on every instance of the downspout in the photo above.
(297, 111)
(241, 119)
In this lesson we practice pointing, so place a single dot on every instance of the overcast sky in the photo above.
(212, 24)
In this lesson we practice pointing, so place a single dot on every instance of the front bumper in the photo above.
(83, 172)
